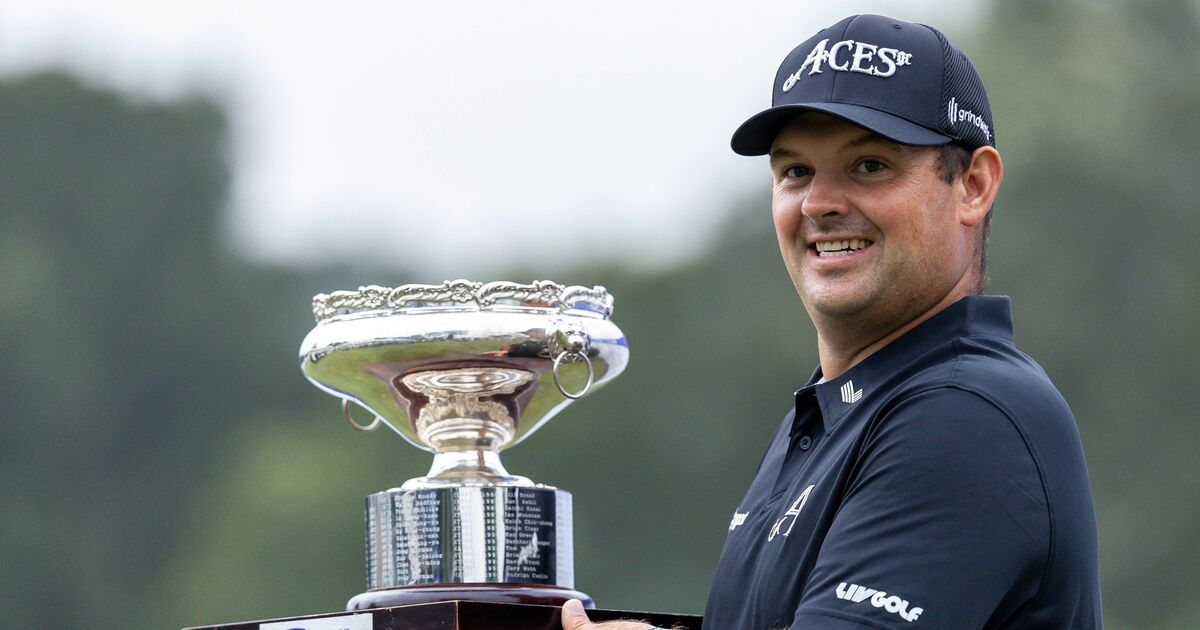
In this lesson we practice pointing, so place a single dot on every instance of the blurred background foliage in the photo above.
(164, 463)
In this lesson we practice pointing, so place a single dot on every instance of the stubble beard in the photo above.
(855, 309)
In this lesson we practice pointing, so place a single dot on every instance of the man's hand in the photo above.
(574, 618)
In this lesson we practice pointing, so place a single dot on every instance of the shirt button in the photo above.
(805, 442)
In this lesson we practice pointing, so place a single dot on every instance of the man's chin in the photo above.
(837, 306)
(837, 296)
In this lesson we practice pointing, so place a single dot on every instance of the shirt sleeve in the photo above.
(944, 522)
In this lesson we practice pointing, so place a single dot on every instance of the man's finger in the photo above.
(575, 618)
(573, 615)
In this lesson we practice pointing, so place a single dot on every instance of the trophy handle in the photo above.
(591, 374)
(569, 342)
(374, 423)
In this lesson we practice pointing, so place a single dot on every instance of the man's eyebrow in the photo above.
(866, 138)
(780, 154)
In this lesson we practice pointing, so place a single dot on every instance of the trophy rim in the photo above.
(463, 295)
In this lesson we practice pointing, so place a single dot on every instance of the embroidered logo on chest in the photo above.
(849, 394)
(738, 519)
(792, 513)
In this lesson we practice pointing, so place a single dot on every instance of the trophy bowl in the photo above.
(465, 370)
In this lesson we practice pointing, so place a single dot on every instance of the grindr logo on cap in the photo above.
(864, 58)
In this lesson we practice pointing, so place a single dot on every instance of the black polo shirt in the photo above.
(940, 483)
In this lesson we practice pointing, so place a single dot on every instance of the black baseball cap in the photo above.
(903, 81)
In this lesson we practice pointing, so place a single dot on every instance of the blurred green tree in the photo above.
(133, 342)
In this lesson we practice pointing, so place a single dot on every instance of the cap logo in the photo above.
(957, 114)
(850, 56)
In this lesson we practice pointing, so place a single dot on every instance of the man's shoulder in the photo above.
(995, 370)
(1015, 391)
(977, 382)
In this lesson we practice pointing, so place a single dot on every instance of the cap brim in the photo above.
(757, 134)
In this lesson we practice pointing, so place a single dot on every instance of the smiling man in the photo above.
(929, 474)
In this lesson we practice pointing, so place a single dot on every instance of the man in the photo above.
(930, 475)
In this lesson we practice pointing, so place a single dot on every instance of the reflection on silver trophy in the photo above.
(465, 370)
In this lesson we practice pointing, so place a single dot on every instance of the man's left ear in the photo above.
(978, 185)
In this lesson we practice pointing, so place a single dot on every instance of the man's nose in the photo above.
(825, 199)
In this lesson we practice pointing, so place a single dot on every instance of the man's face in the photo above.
(868, 230)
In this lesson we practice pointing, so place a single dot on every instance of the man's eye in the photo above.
(871, 166)
(796, 171)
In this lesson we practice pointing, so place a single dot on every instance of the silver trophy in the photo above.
(465, 370)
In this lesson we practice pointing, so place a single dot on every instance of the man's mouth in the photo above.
(827, 249)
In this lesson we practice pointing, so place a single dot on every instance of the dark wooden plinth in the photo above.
(467, 615)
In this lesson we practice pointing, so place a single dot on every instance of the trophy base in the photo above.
(483, 537)
(493, 593)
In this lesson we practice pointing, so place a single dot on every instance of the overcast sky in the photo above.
(455, 137)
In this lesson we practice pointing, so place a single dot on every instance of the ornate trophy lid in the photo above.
(463, 294)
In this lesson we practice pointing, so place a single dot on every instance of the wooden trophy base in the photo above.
(495, 593)
(455, 615)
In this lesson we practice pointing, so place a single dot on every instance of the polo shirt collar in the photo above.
(972, 316)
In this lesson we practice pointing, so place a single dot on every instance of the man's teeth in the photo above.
(841, 248)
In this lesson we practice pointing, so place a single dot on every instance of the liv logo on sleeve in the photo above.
(879, 599)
